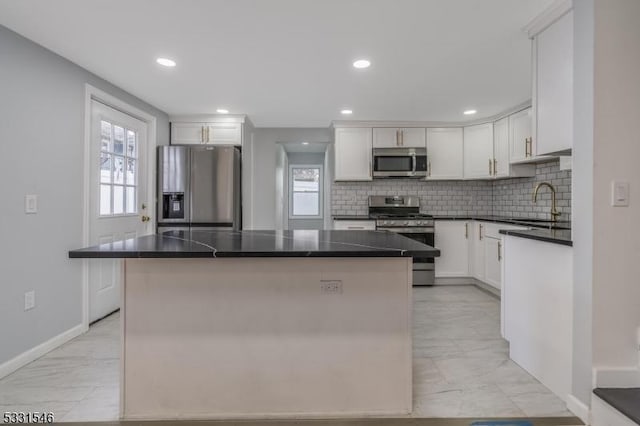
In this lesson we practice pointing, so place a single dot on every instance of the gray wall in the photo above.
(41, 147)
(306, 158)
(508, 197)
(263, 163)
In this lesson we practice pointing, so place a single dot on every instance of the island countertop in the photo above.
(289, 243)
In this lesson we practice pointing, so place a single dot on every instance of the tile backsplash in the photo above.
(508, 197)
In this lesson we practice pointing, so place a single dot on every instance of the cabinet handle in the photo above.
(490, 173)
(397, 138)
(466, 230)
(480, 232)
(401, 137)
(528, 147)
(202, 134)
(355, 227)
(495, 167)
(429, 168)
(499, 250)
(208, 134)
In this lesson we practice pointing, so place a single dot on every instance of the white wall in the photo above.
(41, 147)
(264, 151)
(616, 235)
(582, 205)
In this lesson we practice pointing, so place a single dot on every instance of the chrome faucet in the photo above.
(554, 211)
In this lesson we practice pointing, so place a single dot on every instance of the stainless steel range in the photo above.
(401, 214)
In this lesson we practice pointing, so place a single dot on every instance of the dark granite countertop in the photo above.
(522, 221)
(557, 236)
(344, 217)
(292, 243)
(627, 401)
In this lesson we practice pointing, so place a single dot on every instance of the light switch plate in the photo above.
(619, 193)
(29, 300)
(31, 204)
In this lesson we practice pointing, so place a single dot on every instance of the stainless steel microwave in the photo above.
(399, 162)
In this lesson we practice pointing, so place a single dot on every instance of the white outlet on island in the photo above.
(29, 300)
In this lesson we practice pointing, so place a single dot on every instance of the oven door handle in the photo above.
(422, 230)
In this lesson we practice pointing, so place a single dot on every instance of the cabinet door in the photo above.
(477, 251)
(386, 137)
(224, 133)
(412, 138)
(362, 225)
(501, 148)
(452, 238)
(352, 154)
(445, 153)
(187, 133)
(478, 151)
(519, 134)
(554, 87)
(493, 261)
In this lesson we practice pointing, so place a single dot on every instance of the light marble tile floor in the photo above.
(461, 367)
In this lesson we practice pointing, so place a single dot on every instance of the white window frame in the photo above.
(320, 214)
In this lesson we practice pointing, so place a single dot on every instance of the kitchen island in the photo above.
(222, 324)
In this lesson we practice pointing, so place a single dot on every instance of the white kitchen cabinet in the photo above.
(520, 136)
(478, 151)
(493, 261)
(355, 225)
(445, 153)
(353, 154)
(385, 137)
(477, 250)
(501, 148)
(537, 304)
(452, 239)
(187, 133)
(553, 87)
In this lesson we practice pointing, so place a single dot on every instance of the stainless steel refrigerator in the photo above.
(198, 187)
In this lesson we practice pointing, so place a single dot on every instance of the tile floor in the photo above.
(461, 367)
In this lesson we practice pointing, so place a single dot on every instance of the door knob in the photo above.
(145, 218)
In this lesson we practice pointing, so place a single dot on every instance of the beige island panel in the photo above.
(266, 337)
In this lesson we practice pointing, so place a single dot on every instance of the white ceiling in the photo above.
(287, 63)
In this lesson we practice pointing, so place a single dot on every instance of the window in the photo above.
(118, 170)
(305, 191)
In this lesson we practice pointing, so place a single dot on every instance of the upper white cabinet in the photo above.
(520, 136)
(445, 153)
(553, 87)
(478, 151)
(352, 154)
(452, 238)
(398, 137)
(501, 159)
(190, 133)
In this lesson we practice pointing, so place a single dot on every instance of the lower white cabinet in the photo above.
(537, 302)
(452, 239)
(355, 225)
(493, 262)
(476, 251)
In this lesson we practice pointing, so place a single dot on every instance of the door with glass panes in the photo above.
(118, 198)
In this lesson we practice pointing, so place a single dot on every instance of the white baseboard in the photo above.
(36, 352)
(579, 408)
(616, 377)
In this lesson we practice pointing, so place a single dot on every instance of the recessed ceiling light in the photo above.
(470, 112)
(346, 112)
(166, 62)
(362, 63)
(222, 111)
(305, 143)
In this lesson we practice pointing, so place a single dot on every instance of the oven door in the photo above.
(424, 268)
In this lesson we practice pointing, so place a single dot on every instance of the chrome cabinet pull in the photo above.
(466, 230)
(480, 232)
(499, 251)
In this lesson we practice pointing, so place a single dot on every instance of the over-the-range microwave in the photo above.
(399, 162)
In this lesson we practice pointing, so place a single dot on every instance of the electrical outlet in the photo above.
(29, 300)
(31, 204)
(331, 286)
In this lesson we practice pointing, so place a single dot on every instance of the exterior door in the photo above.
(118, 202)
